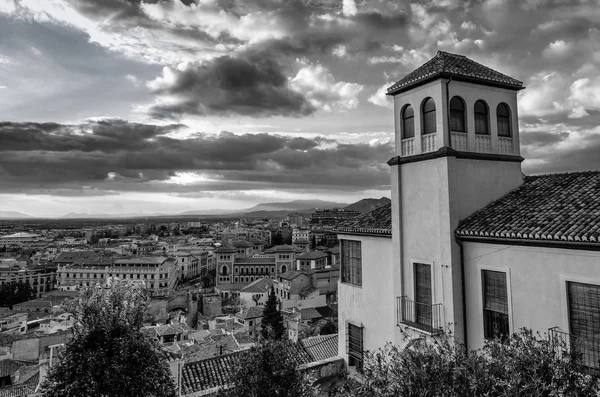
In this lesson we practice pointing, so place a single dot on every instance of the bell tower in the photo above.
(457, 150)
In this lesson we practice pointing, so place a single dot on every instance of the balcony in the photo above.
(505, 145)
(408, 147)
(420, 316)
(459, 141)
(428, 143)
(483, 143)
(588, 346)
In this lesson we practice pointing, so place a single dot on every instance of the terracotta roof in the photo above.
(259, 286)
(445, 64)
(308, 290)
(321, 347)
(291, 274)
(378, 221)
(545, 208)
(76, 256)
(242, 244)
(251, 312)
(312, 255)
(17, 391)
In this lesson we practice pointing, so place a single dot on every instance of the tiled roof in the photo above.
(242, 244)
(259, 286)
(76, 256)
(550, 208)
(225, 249)
(291, 274)
(217, 371)
(445, 64)
(335, 250)
(252, 312)
(312, 255)
(17, 391)
(321, 347)
(378, 221)
(9, 367)
(309, 313)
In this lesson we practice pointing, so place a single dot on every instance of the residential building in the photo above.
(13, 323)
(22, 240)
(311, 260)
(189, 266)
(469, 244)
(41, 279)
(257, 292)
(251, 319)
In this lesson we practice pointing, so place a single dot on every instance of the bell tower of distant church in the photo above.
(457, 146)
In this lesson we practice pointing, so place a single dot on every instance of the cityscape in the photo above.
(304, 199)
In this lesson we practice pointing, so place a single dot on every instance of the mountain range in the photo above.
(264, 210)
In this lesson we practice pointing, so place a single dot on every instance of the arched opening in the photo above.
(457, 115)
(283, 268)
(503, 120)
(224, 271)
(408, 122)
(482, 121)
(428, 110)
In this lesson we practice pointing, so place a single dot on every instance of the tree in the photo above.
(525, 364)
(256, 298)
(15, 292)
(108, 355)
(272, 321)
(270, 369)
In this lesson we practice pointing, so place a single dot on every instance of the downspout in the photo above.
(462, 280)
(448, 112)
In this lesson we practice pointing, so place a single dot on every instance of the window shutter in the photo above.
(422, 283)
(584, 309)
(495, 293)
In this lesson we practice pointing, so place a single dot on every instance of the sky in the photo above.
(165, 106)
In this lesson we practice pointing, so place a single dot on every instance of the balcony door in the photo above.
(423, 299)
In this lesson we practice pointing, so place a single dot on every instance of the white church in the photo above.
(469, 243)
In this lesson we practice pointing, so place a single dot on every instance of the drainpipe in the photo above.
(464, 295)
(448, 111)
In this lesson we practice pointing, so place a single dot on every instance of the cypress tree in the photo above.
(272, 321)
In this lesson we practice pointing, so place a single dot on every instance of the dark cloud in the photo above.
(570, 159)
(113, 155)
(542, 138)
(227, 86)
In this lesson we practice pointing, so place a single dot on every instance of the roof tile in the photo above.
(378, 221)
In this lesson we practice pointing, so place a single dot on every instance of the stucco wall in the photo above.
(536, 278)
(370, 305)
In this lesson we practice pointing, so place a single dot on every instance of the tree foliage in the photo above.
(527, 364)
(270, 369)
(272, 321)
(15, 292)
(108, 354)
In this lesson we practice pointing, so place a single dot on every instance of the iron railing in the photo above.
(422, 316)
(587, 346)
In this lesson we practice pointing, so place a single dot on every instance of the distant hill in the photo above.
(296, 205)
(14, 215)
(368, 204)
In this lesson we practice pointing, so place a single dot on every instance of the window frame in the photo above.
(509, 313)
(405, 119)
(487, 117)
(354, 354)
(508, 118)
(454, 112)
(424, 117)
(348, 276)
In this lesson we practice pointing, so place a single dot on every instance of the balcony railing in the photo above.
(587, 346)
(428, 143)
(459, 140)
(505, 145)
(408, 146)
(483, 143)
(421, 316)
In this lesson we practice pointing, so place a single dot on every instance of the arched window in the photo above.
(429, 125)
(408, 122)
(224, 271)
(283, 269)
(503, 119)
(481, 118)
(457, 115)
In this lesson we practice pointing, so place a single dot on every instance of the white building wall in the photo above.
(370, 305)
(536, 283)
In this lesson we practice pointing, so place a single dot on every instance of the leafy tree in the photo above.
(15, 292)
(108, 354)
(270, 369)
(526, 364)
(272, 321)
(256, 298)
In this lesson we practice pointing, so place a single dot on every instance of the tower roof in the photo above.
(458, 67)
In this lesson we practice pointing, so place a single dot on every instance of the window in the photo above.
(224, 271)
(584, 320)
(503, 118)
(495, 305)
(457, 115)
(351, 262)
(423, 292)
(429, 124)
(354, 344)
(283, 269)
(408, 122)
(481, 118)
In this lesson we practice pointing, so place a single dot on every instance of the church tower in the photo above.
(457, 150)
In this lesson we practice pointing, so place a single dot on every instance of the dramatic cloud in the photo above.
(114, 155)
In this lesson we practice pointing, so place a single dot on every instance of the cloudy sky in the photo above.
(142, 106)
